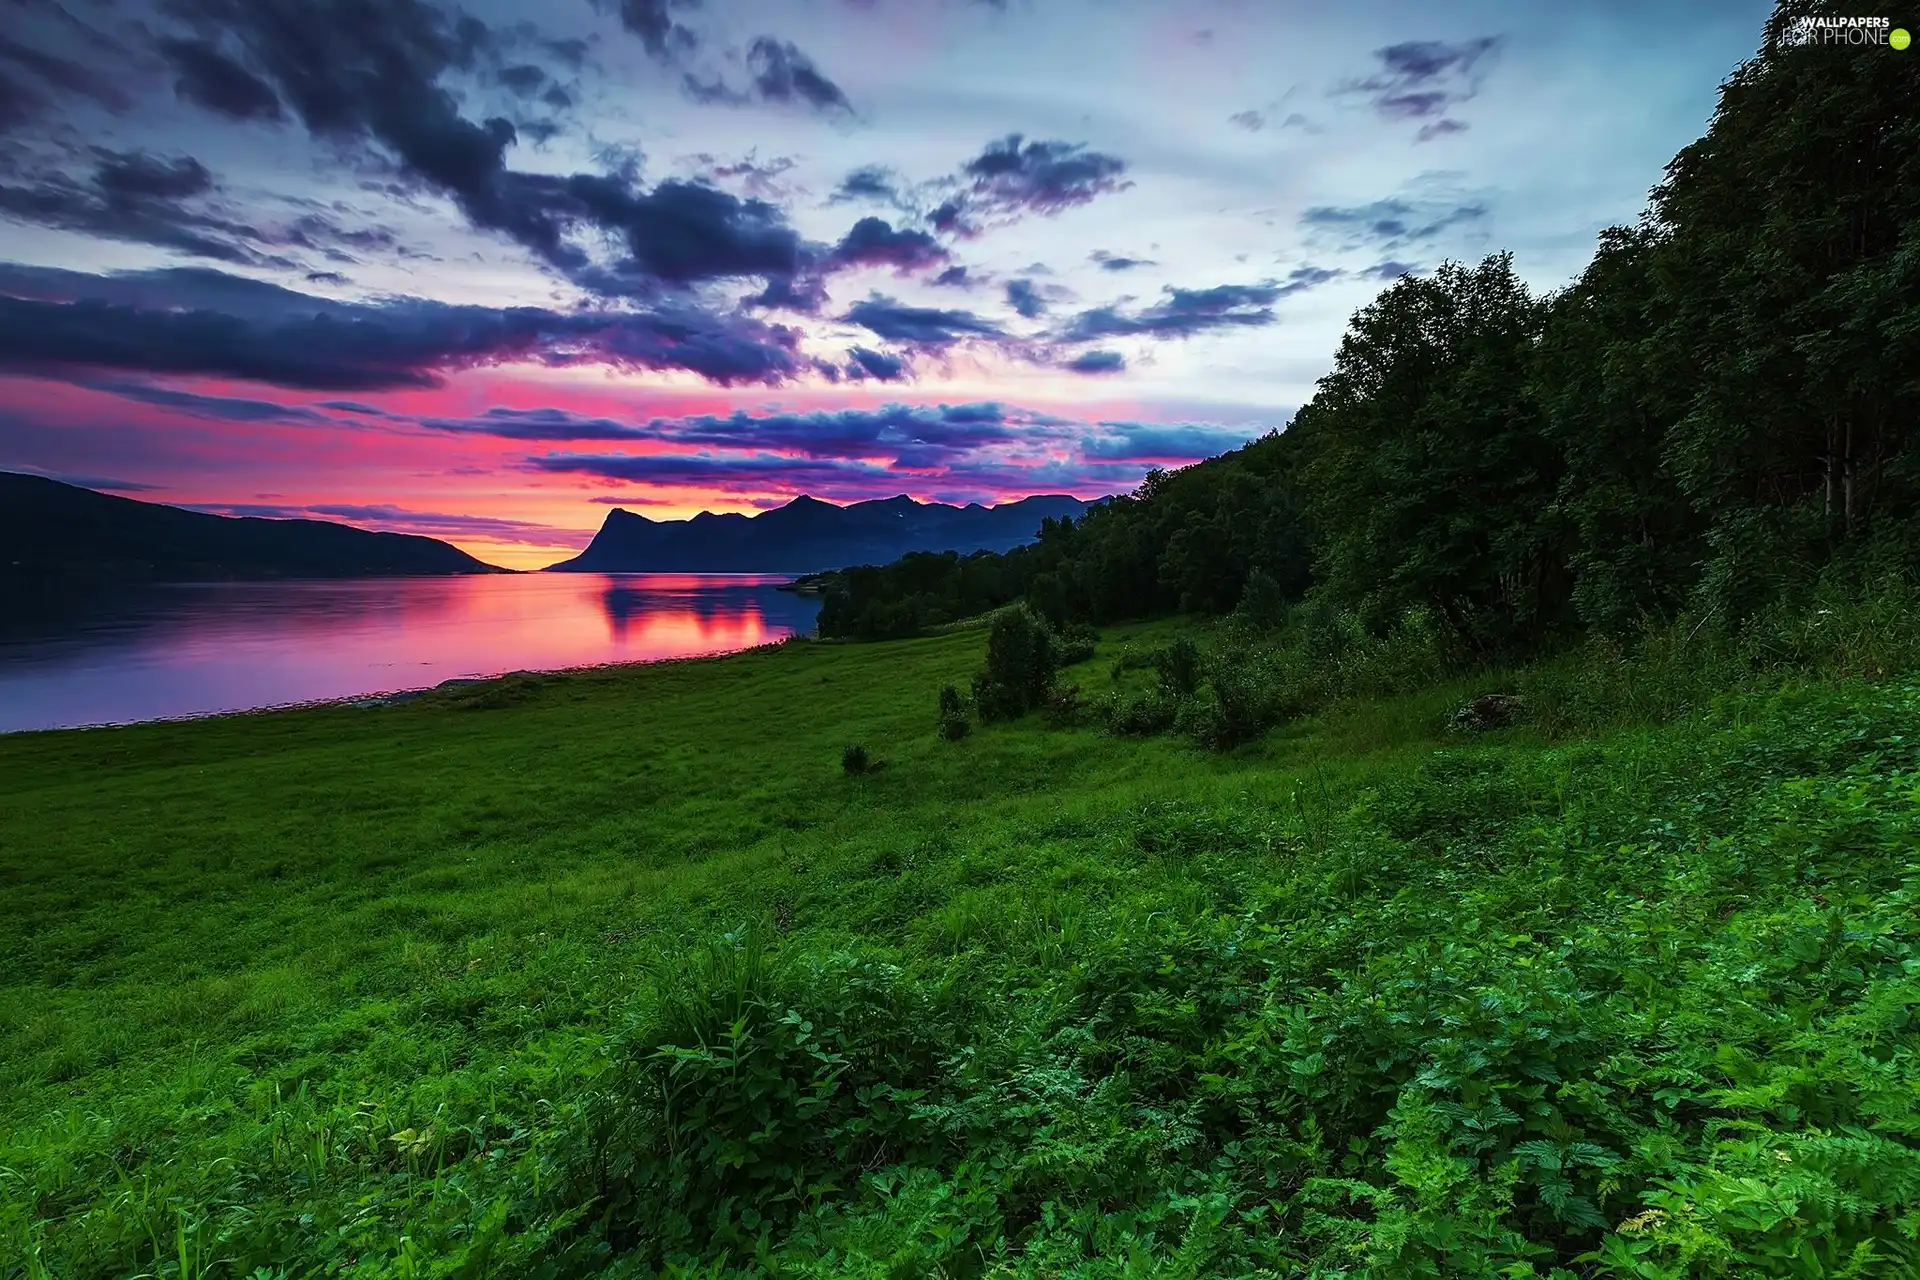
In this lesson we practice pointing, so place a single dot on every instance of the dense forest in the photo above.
(1716, 413)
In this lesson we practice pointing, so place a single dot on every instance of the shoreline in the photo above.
(377, 700)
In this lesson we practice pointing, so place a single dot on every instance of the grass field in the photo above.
(617, 972)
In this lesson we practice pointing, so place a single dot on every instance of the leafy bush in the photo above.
(1063, 707)
(1263, 601)
(1141, 716)
(954, 724)
(1179, 667)
(854, 760)
(1247, 700)
(1078, 643)
(1022, 656)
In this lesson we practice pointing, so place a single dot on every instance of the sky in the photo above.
(482, 272)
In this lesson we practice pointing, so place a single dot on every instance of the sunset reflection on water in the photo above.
(145, 653)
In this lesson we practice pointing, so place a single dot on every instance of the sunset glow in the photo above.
(684, 257)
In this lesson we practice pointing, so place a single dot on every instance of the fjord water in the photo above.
(129, 653)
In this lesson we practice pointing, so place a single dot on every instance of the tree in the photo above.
(1430, 476)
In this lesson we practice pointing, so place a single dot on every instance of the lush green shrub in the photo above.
(1022, 656)
(854, 760)
(1141, 716)
(1078, 643)
(1263, 601)
(1063, 707)
(1247, 700)
(1179, 666)
(953, 722)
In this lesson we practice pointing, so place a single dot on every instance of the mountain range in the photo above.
(808, 535)
(50, 530)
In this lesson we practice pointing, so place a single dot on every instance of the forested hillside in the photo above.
(1719, 410)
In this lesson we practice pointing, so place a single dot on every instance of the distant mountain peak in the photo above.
(807, 534)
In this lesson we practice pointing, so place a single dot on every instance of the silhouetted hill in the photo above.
(807, 535)
(50, 530)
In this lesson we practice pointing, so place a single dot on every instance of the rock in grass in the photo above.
(1488, 711)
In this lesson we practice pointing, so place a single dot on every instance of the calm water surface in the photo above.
(149, 652)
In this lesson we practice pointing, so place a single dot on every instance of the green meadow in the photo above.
(620, 972)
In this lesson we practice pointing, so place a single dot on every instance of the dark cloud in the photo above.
(1301, 279)
(1011, 178)
(325, 277)
(981, 448)
(359, 70)
(1439, 129)
(1044, 177)
(685, 232)
(776, 72)
(141, 199)
(982, 445)
(196, 321)
(1182, 313)
(535, 424)
(728, 473)
(572, 53)
(170, 202)
(1251, 121)
(1392, 222)
(940, 476)
(868, 182)
(921, 326)
(1025, 299)
(62, 75)
(222, 408)
(853, 434)
(1114, 262)
(1423, 79)
(653, 22)
(209, 78)
(758, 178)
(877, 365)
(522, 78)
(955, 277)
(805, 294)
(1388, 270)
(781, 73)
(17, 103)
(873, 242)
(1098, 362)
(136, 176)
(372, 70)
